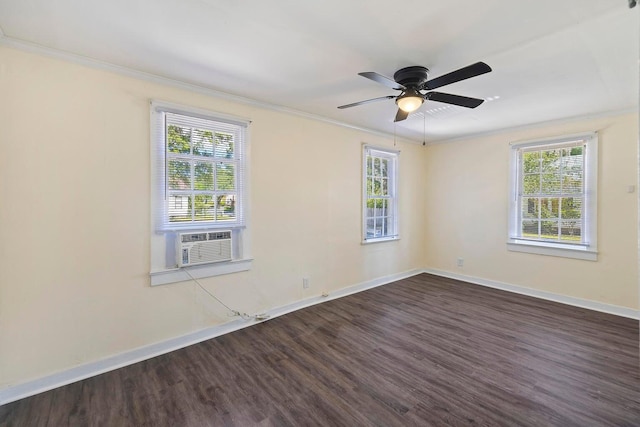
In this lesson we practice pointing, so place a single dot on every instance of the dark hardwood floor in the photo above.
(422, 351)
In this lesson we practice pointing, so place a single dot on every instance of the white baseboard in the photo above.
(68, 376)
(49, 382)
(550, 296)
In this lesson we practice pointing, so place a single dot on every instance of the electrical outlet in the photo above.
(460, 262)
(305, 283)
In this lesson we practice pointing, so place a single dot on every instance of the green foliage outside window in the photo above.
(552, 193)
(377, 182)
(192, 169)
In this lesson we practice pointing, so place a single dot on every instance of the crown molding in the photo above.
(538, 125)
(203, 90)
(167, 81)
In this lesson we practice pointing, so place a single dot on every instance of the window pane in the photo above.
(202, 141)
(530, 207)
(378, 231)
(376, 166)
(369, 166)
(387, 225)
(531, 184)
(224, 145)
(179, 175)
(530, 228)
(226, 207)
(178, 139)
(572, 159)
(203, 176)
(179, 208)
(576, 151)
(370, 228)
(572, 182)
(571, 230)
(369, 186)
(377, 187)
(572, 208)
(549, 208)
(203, 207)
(225, 176)
(549, 229)
(551, 183)
(384, 191)
(370, 207)
(531, 162)
(383, 167)
(550, 161)
(380, 207)
(389, 219)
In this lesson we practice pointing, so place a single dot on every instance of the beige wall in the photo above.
(75, 216)
(467, 214)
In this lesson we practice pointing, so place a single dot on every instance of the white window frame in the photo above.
(163, 233)
(587, 249)
(392, 185)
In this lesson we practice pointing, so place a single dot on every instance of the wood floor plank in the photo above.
(423, 351)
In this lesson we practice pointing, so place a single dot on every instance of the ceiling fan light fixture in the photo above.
(410, 101)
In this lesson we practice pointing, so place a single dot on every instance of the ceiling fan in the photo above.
(412, 81)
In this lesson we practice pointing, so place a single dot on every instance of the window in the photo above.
(380, 210)
(198, 176)
(203, 169)
(553, 197)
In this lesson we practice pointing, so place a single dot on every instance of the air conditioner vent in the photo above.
(220, 235)
(203, 248)
(193, 237)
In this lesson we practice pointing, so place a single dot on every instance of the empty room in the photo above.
(337, 213)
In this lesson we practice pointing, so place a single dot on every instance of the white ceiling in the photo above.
(551, 59)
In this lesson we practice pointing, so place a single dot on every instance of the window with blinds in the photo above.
(380, 210)
(203, 171)
(198, 175)
(554, 193)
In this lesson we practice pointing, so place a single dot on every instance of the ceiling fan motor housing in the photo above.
(415, 76)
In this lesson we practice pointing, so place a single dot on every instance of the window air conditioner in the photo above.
(203, 247)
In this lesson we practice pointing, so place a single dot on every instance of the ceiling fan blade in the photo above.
(401, 115)
(382, 98)
(379, 78)
(448, 98)
(455, 76)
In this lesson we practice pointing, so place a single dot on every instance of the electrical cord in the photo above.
(244, 316)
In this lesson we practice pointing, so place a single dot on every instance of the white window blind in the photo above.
(380, 202)
(551, 192)
(554, 195)
(201, 170)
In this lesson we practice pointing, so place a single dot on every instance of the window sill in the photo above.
(379, 240)
(552, 249)
(175, 275)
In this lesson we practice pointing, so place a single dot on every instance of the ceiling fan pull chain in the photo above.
(424, 129)
(394, 133)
